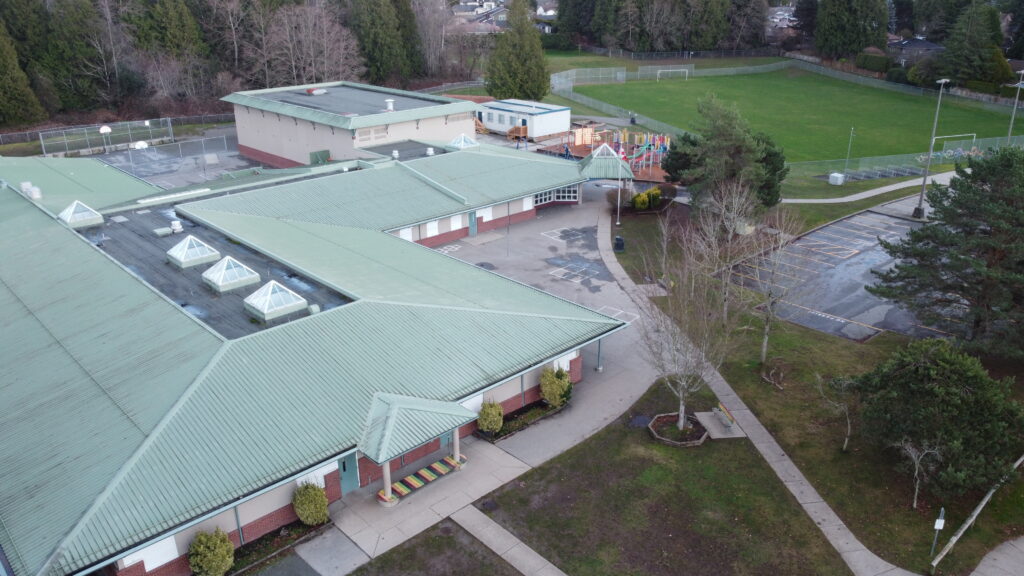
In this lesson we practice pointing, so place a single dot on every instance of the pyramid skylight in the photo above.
(229, 274)
(191, 252)
(78, 215)
(463, 141)
(272, 301)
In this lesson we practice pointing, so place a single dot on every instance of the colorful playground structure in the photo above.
(642, 150)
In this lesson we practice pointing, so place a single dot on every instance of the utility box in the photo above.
(837, 178)
(620, 244)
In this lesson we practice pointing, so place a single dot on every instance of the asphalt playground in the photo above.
(822, 275)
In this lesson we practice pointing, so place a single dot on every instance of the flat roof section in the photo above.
(348, 100)
(407, 149)
(523, 107)
(130, 240)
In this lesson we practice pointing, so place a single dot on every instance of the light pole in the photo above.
(849, 147)
(919, 210)
(1013, 115)
(618, 197)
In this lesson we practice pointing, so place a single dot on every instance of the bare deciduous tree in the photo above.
(658, 18)
(918, 454)
(432, 21)
(839, 402)
(229, 20)
(769, 277)
(309, 45)
(685, 333)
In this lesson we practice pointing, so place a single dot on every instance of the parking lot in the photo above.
(823, 274)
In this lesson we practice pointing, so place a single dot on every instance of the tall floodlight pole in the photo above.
(919, 210)
(618, 197)
(1013, 115)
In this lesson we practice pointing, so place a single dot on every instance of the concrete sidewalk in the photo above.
(942, 178)
(1006, 560)
(504, 543)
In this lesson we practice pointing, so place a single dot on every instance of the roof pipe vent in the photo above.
(389, 104)
(394, 154)
(430, 151)
(34, 193)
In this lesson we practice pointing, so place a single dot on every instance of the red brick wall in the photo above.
(444, 238)
(177, 567)
(270, 522)
(370, 472)
(502, 221)
(332, 485)
(576, 369)
(267, 158)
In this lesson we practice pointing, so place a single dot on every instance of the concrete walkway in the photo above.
(942, 178)
(1006, 560)
(504, 543)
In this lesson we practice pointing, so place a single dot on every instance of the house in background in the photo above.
(908, 52)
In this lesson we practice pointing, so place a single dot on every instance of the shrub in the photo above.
(211, 553)
(898, 75)
(310, 504)
(641, 201)
(873, 62)
(654, 196)
(554, 42)
(1008, 91)
(555, 387)
(491, 417)
(982, 87)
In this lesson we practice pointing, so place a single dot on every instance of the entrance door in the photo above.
(446, 439)
(472, 223)
(348, 469)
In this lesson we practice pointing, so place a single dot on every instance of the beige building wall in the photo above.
(225, 521)
(260, 506)
(441, 129)
(290, 138)
(459, 221)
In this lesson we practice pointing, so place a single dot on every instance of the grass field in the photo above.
(561, 60)
(808, 114)
(621, 504)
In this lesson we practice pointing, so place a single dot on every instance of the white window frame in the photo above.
(545, 197)
(490, 116)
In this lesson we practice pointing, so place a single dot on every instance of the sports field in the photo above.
(810, 115)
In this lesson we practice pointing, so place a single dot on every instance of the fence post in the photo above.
(65, 134)
(170, 130)
(42, 143)
(129, 123)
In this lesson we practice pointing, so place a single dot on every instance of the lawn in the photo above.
(561, 60)
(620, 503)
(815, 215)
(863, 486)
(445, 549)
(808, 114)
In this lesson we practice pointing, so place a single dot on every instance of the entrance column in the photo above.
(600, 366)
(387, 481)
(456, 453)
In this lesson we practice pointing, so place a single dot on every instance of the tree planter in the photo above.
(671, 419)
(513, 416)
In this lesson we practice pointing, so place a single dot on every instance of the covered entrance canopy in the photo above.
(396, 424)
(605, 164)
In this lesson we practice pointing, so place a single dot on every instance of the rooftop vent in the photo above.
(229, 274)
(35, 193)
(430, 151)
(272, 301)
(316, 91)
(389, 104)
(394, 154)
(191, 251)
(25, 187)
(78, 215)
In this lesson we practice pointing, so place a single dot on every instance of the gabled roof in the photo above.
(396, 424)
(331, 111)
(605, 163)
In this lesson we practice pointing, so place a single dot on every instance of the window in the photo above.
(543, 197)
(380, 132)
(490, 116)
(567, 194)
(363, 135)
(501, 118)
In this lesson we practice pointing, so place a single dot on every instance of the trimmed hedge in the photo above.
(310, 504)
(983, 87)
(898, 75)
(874, 62)
(211, 553)
(491, 417)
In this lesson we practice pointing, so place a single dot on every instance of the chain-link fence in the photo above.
(449, 86)
(664, 72)
(101, 138)
(678, 54)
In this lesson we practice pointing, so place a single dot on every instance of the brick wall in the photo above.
(370, 472)
(332, 485)
(177, 567)
(270, 522)
(576, 369)
(502, 221)
(444, 238)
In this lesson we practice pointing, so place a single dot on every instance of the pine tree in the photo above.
(18, 105)
(967, 262)
(410, 37)
(70, 50)
(806, 14)
(376, 26)
(845, 27)
(969, 49)
(516, 68)
(178, 30)
(26, 25)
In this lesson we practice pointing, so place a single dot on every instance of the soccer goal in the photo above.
(672, 73)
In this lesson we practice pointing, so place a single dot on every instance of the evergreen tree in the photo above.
(18, 104)
(516, 68)
(935, 18)
(605, 21)
(929, 394)
(376, 26)
(178, 31)
(967, 262)
(710, 25)
(806, 14)
(26, 25)
(969, 49)
(410, 37)
(773, 164)
(70, 51)
(845, 27)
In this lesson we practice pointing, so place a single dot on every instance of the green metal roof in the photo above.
(605, 164)
(396, 424)
(90, 361)
(64, 180)
(314, 112)
(396, 194)
(111, 383)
